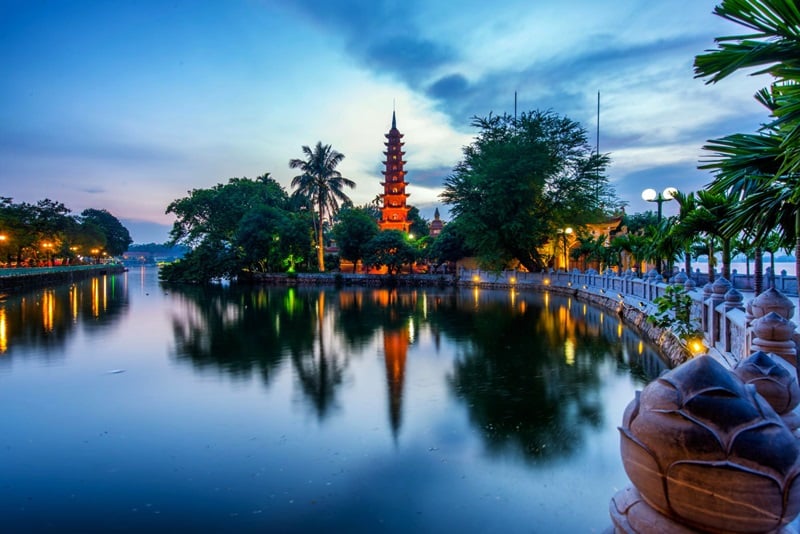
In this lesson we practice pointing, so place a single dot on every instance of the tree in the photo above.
(520, 180)
(772, 47)
(449, 246)
(590, 249)
(354, 229)
(230, 227)
(322, 185)
(391, 249)
(117, 237)
(419, 225)
(258, 238)
(768, 162)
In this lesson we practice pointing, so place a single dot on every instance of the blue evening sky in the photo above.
(128, 105)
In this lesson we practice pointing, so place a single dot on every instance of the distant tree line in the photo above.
(47, 231)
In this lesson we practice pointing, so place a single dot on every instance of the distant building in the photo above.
(394, 214)
(436, 224)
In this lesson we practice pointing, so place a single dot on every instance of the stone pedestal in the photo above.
(773, 333)
(707, 452)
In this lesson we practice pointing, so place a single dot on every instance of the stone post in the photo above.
(773, 333)
(718, 288)
(734, 300)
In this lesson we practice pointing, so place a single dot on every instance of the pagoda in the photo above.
(394, 214)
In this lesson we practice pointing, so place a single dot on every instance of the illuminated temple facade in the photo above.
(394, 214)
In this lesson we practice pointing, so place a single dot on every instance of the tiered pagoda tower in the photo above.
(394, 214)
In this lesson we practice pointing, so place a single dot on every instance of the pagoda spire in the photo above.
(394, 213)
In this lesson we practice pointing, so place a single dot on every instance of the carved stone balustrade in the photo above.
(774, 382)
(774, 333)
(705, 451)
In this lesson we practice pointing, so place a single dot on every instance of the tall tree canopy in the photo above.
(243, 225)
(117, 237)
(353, 230)
(520, 180)
(322, 185)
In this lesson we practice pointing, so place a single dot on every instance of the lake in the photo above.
(135, 407)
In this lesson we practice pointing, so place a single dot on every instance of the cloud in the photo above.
(81, 143)
(448, 87)
(384, 35)
(93, 190)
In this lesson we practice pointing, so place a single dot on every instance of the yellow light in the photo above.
(476, 278)
(3, 331)
(546, 281)
(513, 280)
(569, 352)
(696, 346)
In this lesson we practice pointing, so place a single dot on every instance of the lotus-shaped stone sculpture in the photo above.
(706, 450)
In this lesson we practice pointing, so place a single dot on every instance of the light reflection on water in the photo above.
(134, 406)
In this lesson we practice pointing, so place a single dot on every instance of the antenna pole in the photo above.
(515, 106)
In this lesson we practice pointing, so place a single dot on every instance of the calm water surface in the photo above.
(129, 406)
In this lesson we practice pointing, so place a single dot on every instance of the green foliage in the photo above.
(243, 225)
(322, 186)
(638, 222)
(391, 249)
(449, 246)
(675, 313)
(761, 170)
(354, 229)
(117, 237)
(522, 178)
(29, 227)
(419, 225)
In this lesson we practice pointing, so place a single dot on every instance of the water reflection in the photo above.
(242, 332)
(529, 368)
(321, 409)
(44, 319)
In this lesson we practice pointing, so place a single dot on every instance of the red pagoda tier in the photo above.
(394, 214)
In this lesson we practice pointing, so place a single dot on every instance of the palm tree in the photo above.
(749, 165)
(322, 185)
(687, 203)
(772, 44)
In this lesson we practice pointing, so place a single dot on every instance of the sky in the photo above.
(127, 106)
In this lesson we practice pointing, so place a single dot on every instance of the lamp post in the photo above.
(564, 232)
(650, 195)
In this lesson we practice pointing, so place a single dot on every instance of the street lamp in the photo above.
(564, 232)
(651, 195)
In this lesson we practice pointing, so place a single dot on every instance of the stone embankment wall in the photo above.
(17, 280)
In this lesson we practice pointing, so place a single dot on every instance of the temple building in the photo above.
(394, 214)
(436, 224)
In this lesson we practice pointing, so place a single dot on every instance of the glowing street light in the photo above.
(650, 195)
